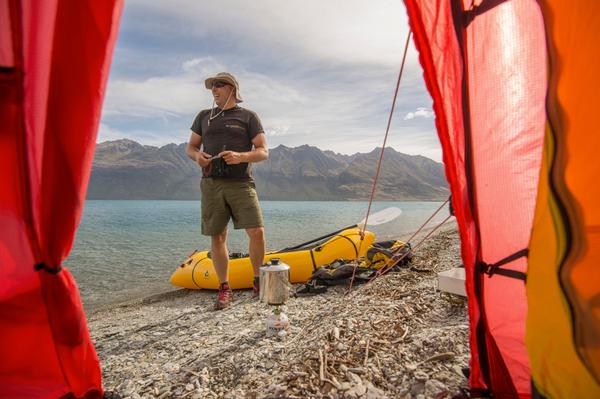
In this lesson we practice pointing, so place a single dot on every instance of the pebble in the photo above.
(360, 389)
(421, 376)
(344, 386)
(374, 393)
(269, 364)
(353, 378)
(171, 367)
(410, 366)
(357, 370)
(417, 388)
(433, 388)
(335, 334)
(350, 324)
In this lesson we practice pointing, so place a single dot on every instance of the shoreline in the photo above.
(396, 337)
(278, 200)
(156, 296)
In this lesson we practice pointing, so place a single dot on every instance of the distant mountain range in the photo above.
(124, 169)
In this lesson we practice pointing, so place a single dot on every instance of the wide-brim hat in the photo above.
(227, 78)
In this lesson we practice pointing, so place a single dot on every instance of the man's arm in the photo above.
(193, 151)
(260, 152)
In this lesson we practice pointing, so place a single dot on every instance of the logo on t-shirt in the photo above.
(230, 126)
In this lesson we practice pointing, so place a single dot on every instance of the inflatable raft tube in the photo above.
(197, 272)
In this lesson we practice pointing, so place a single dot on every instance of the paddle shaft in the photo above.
(378, 218)
(317, 239)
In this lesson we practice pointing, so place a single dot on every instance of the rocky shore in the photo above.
(396, 337)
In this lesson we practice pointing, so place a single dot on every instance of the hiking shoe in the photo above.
(256, 287)
(224, 297)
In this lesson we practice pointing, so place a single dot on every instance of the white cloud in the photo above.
(160, 96)
(156, 137)
(418, 141)
(421, 112)
(342, 30)
(107, 133)
(184, 93)
(273, 131)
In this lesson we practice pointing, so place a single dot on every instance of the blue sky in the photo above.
(318, 73)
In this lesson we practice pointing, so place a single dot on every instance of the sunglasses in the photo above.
(218, 85)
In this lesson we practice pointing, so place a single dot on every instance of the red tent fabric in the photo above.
(53, 73)
(485, 67)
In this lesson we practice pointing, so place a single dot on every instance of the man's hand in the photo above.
(202, 159)
(232, 157)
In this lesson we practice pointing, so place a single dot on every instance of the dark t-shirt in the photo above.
(232, 130)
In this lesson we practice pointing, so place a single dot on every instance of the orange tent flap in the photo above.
(563, 326)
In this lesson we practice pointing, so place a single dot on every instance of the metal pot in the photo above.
(274, 282)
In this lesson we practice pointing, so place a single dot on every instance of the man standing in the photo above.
(231, 138)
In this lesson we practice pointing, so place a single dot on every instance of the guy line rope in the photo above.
(394, 259)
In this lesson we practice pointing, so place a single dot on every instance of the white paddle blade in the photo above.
(383, 216)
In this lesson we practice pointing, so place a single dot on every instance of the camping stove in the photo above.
(275, 291)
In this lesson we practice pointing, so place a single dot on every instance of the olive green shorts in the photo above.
(229, 198)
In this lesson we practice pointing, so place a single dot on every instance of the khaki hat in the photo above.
(228, 78)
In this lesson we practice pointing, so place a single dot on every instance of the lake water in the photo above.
(128, 249)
